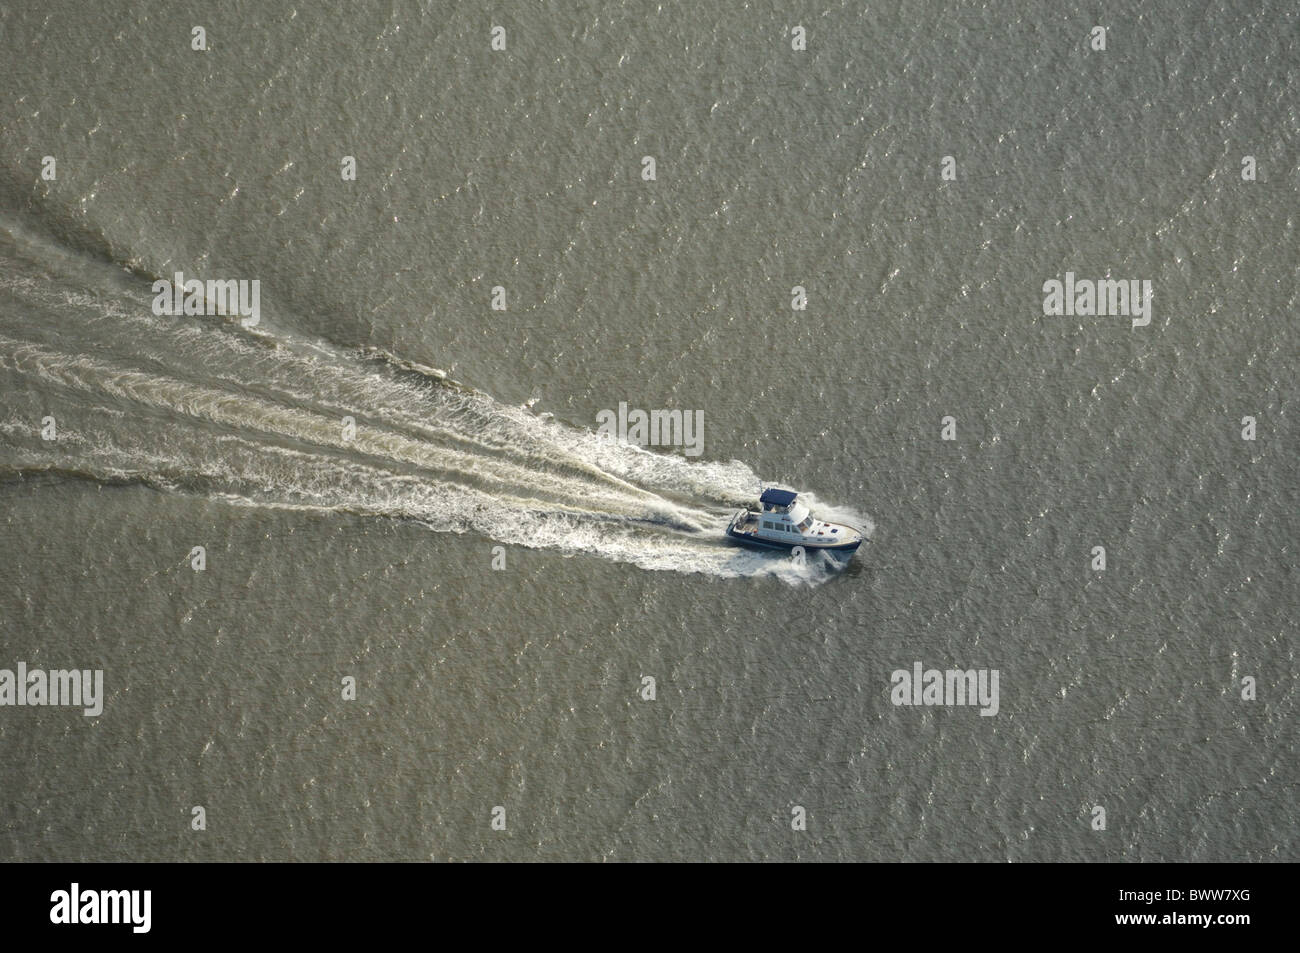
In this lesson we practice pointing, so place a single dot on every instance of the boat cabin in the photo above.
(783, 514)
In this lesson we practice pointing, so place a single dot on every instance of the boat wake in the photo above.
(203, 406)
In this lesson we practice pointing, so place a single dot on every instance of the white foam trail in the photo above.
(204, 408)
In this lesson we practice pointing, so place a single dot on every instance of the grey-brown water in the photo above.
(369, 554)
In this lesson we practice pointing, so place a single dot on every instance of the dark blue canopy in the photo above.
(778, 497)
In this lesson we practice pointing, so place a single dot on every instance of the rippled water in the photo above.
(333, 554)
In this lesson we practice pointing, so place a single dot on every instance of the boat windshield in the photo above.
(807, 522)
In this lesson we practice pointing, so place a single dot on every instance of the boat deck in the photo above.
(833, 538)
(749, 526)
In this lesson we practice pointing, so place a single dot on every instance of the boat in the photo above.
(782, 522)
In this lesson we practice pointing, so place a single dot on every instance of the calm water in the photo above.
(371, 555)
